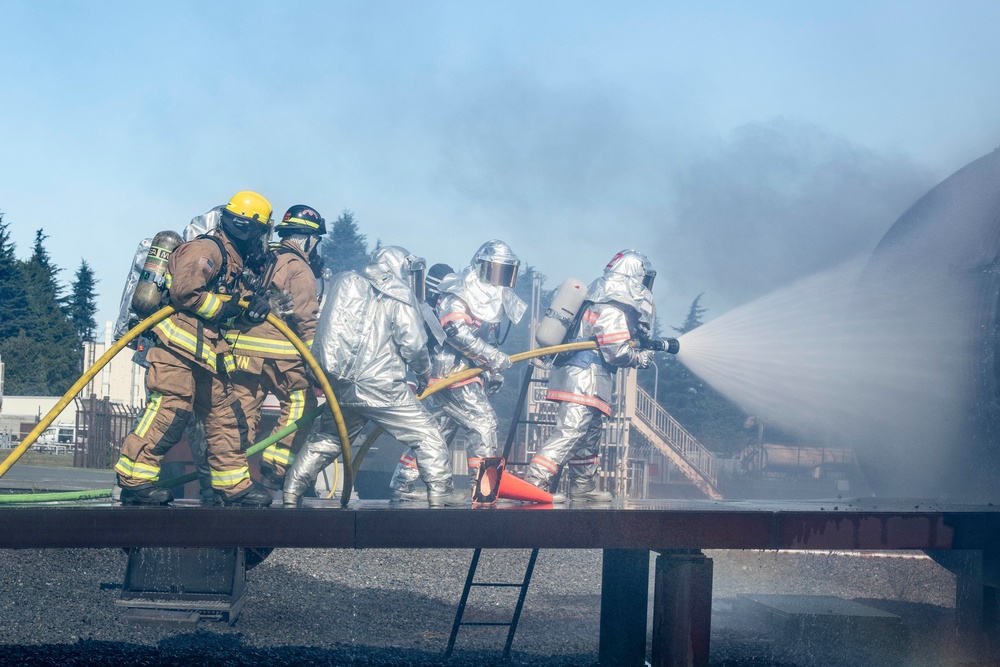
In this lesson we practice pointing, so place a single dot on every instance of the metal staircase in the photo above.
(664, 433)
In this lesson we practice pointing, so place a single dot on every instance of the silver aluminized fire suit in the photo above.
(469, 310)
(369, 331)
(618, 308)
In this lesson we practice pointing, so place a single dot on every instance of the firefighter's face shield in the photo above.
(243, 229)
(418, 277)
(501, 274)
(647, 280)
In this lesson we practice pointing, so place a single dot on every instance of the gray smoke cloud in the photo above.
(777, 201)
(583, 172)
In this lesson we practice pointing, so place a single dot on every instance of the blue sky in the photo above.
(740, 145)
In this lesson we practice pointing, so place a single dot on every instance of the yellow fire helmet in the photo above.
(247, 216)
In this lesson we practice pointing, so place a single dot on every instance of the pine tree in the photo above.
(13, 293)
(82, 302)
(344, 248)
(693, 319)
(47, 323)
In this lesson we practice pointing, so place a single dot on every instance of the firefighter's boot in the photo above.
(145, 494)
(592, 496)
(445, 495)
(270, 478)
(406, 494)
(253, 496)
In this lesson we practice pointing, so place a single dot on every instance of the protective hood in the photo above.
(205, 223)
(389, 273)
(616, 288)
(486, 302)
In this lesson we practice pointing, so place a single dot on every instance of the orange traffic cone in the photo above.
(492, 484)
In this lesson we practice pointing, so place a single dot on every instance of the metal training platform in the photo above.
(678, 530)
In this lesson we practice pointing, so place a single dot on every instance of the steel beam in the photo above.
(624, 600)
(647, 525)
(682, 610)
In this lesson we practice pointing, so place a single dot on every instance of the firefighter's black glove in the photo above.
(259, 308)
(230, 309)
(494, 382)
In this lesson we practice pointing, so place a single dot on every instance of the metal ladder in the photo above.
(470, 578)
(470, 582)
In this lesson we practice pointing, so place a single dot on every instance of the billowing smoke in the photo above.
(776, 202)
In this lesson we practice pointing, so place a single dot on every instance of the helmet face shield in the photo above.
(498, 273)
(246, 217)
(647, 280)
(418, 277)
(496, 263)
(241, 228)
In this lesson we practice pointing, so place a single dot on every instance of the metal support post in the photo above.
(682, 609)
(624, 600)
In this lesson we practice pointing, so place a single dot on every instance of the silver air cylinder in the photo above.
(149, 289)
(562, 312)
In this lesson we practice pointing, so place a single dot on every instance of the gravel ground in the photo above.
(396, 607)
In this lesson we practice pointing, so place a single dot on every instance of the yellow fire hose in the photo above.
(465, 375)
(152, 321)
(351, 465)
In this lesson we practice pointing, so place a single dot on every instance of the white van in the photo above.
(60, 434)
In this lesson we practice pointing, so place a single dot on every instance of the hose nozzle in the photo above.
(668, 345)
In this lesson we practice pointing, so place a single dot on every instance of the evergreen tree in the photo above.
(47, 323)
(25, 368)
(693, 319)
(82, 302)
(13, 293)
(344, 248)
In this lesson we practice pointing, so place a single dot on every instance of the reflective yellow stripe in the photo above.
(240, 342)
(168, 331)
(126, 467)
(297, 405)
(210, 307)
(224, 479)
(314, 225)
(152, 407)
(279, 455)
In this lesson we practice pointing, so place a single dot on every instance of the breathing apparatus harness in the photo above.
(580, 358)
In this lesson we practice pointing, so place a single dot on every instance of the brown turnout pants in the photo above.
(286, 379)
(178, 387)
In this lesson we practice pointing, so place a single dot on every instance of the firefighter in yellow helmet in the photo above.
(190, 365)
(266, 362)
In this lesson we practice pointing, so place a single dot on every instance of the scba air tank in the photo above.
(561, 314)
(149, 289)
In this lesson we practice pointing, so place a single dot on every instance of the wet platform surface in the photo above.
(871, 524)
